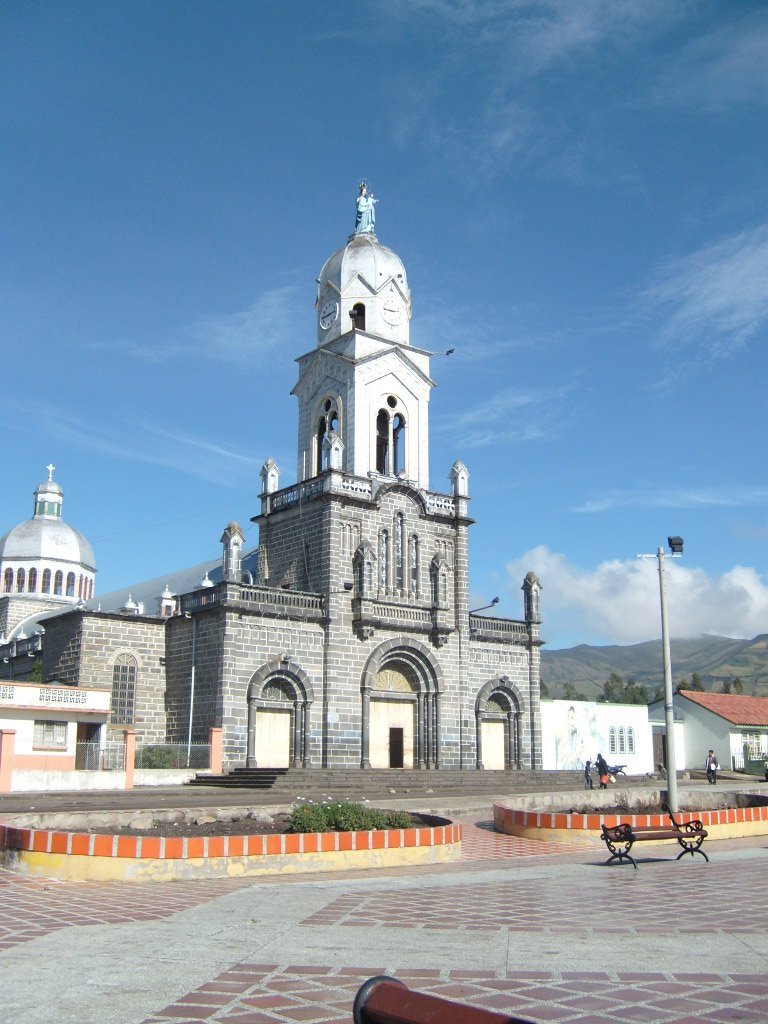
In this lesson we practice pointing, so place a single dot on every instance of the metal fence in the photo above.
(87, 757)
(751, 765)
(173, 755)
(90, 757)
(111, 757)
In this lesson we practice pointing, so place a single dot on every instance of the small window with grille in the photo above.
(50, 736)
(123, 690)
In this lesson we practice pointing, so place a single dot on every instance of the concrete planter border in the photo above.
(564, 827)
(87, 856)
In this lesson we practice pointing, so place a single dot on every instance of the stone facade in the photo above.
(353, 645)
(81, 648)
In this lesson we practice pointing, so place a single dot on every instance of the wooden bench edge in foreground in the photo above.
(385, 1000)
(621, 838)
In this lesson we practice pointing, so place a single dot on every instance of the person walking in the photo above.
(601, 767)
(588, 783)
(712, 766)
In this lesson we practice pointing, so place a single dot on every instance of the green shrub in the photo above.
(159, 756)
(345, 816)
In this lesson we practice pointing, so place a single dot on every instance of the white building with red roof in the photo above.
(733, 725)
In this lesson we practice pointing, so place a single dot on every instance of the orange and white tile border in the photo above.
(88, 856)
(563, 827)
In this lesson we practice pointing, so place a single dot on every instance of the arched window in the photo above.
(630, 740)
(58, 582)
(612, 740)
(382, 442)
(327, 424)
(383, 560)
(414, 565)
(357, 315)
(21, 579)
(399, 551)
(398, 443)
(8, 581)
(70, 584)
(32, 581)
(46, 587)
(123, 689)
(622, 740)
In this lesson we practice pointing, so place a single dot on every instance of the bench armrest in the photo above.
(692, 827)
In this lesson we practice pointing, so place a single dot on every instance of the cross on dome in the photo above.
(50, 467)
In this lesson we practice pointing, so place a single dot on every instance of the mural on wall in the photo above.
(576, 737)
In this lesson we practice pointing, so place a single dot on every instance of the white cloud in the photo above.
(729, 497)
(508, 416)
(722, 67)
(714, 300)
(536, 35)
(517, 47)
(251, 338)
(134, 441)
(618, 602)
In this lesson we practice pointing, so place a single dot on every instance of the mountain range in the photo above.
(717, 660)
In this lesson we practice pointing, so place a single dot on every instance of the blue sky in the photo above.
(578, 192)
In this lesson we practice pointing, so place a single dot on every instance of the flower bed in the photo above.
(566, 827)
(115, 857)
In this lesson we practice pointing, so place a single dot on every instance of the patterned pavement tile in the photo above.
(545, 997)
(550, 905)
(31, 907)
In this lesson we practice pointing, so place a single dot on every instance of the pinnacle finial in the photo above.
(50, 467)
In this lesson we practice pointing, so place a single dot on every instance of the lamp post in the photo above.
(675, 551)
(494, 602)
(191, 686)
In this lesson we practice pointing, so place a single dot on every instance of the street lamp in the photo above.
(675, 551)
(494, 602)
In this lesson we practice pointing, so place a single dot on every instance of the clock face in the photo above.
(328, 313)
(392, 312)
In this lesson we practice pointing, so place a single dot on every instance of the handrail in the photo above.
(490, 624)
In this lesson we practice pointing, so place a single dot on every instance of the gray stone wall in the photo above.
(14, 610)
(80, 649)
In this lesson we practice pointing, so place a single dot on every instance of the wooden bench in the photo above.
(621, 838)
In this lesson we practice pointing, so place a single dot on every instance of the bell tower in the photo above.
(364, 390)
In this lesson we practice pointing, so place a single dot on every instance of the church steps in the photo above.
(359, 784)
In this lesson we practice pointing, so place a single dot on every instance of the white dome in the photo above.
(363, 286)
(365, 256)
(49, 539)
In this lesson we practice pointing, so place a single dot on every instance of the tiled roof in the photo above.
(733, 707)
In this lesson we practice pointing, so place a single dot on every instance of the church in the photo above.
(345, 640)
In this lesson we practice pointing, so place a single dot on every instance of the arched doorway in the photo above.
(497, 726)
(279, 699)
(393, 717)
(401, 707)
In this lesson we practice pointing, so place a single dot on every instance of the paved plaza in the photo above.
(538, 930)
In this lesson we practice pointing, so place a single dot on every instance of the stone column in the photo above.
(296, 745)
(250, 755)
(305, 735)
(436, 702)
(428, 729)
(422, 761)
(511, 740)
(479, 740)
(365, 737)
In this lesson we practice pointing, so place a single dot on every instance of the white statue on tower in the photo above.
(365, 220)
